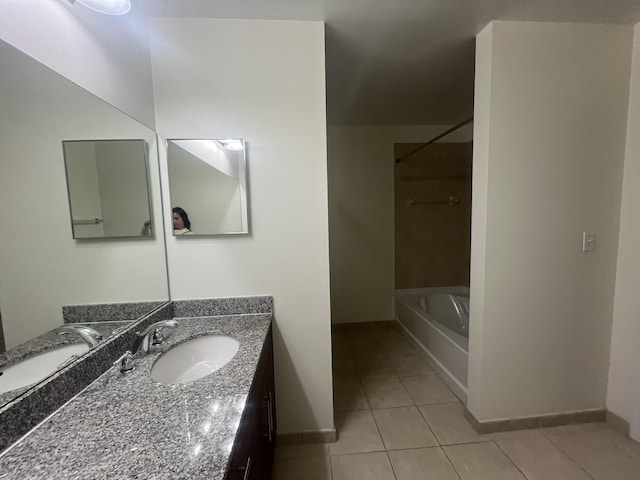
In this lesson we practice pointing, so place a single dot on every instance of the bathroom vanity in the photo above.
(126, 425)
(252, 455)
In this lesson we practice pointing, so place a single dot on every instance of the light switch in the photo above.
(588, 241)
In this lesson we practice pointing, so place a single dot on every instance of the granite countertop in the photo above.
(49, 341)
(128, 426)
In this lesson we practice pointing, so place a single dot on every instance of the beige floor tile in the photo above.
(340, 352)
(422, 464)
(606, 430)
(302, 451)
(361, 340)
(403, 427)
(309, 468)
(580, 427)
(386, 392)
(363, 466)
(409, 365)
(348, 395)
(597, 454)
(625, 443)
(539, 459)
(343, 364)
(482, 461)
(428, 389)
(397, 346)
(386, 333)
(357, 433)
(365, 354)
(449, 425)
(365, 350)
(373, 365)
(345, 376)
(516, 434)
(340, 346)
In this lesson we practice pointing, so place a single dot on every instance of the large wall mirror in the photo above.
(208, 186)
(42, 268)
(108, 188)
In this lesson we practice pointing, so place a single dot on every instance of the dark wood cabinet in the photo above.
(253, 449)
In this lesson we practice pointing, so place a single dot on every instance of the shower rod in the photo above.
(435, 139)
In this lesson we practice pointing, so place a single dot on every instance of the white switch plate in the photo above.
(588, 241)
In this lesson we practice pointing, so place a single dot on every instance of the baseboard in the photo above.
(308, 437)
(542, 421)
(619, 424)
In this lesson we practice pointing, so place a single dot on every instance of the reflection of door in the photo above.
(84, 190)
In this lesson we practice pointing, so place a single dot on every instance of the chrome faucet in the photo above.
(125, 362)
(152, 335)
(88, 334)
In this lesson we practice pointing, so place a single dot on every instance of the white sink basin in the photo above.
(35, 368)
(194, 359)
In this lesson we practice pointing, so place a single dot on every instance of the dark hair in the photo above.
(183, 216)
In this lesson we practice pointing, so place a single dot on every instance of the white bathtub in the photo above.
(445, 349)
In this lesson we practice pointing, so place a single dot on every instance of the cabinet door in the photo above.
(262, 455)
(253, 449)
(241, 466)
(267, 414)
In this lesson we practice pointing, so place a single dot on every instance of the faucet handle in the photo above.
(125, 362)
(150, 334)
(158, 337)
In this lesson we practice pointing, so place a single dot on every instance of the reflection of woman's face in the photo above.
(178, 224)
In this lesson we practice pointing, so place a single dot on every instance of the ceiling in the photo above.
(400, 62)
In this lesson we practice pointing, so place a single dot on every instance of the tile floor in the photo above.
(396, 420)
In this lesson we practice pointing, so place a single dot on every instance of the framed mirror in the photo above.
(108, 188)
(48, 279)
(208, 186)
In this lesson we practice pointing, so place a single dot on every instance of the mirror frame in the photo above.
(244, 194)
(149, 203)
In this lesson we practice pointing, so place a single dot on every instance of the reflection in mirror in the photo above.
(27, 364)
(42, 269)
(208, 186)
(108, 188)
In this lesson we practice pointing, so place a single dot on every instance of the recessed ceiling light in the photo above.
(109, 7)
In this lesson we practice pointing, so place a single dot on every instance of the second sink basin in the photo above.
(194, 359)
(37, 367)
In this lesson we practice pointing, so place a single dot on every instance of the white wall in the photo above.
(361, 221)
(262, 81)
(624, 370)
(550, 125)
(42, 267)
(107, 55)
